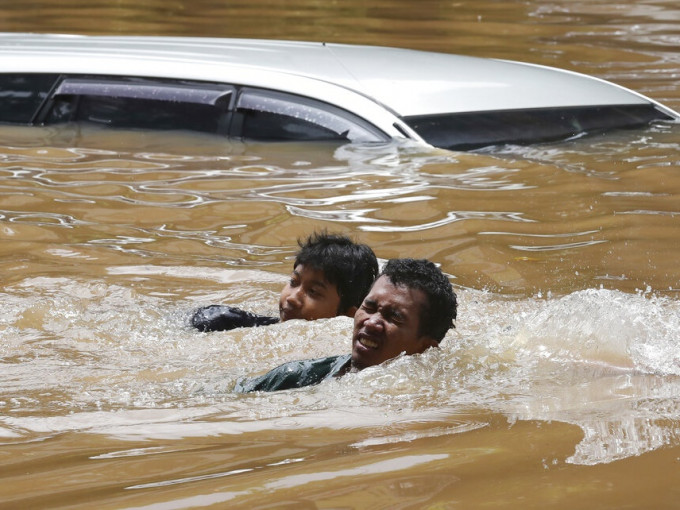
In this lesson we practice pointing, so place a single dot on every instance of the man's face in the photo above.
(308, 295)
(387, 324)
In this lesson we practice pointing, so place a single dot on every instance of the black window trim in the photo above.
(159, 91)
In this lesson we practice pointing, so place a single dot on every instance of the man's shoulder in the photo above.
(295, 374)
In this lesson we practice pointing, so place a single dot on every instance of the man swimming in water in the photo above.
(331, 276)
(409, 309)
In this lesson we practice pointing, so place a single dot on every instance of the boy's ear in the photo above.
(351, 311)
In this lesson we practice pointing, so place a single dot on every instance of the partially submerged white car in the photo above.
(303, 91)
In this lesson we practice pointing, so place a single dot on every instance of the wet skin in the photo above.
(308, 295)
(387, 324)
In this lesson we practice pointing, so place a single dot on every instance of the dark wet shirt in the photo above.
(295, 374)
(224, 318)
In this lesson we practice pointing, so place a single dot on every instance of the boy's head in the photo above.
(331, 276)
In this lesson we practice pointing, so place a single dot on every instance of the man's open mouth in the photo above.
(368, 342)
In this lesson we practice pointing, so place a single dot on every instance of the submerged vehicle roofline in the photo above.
(443, 83)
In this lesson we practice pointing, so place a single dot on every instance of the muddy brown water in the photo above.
(559, 388)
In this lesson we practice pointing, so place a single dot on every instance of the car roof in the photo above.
(405, 82)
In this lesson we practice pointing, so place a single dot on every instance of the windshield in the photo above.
(463, 131)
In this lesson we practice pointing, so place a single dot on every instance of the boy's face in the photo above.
(308, 295)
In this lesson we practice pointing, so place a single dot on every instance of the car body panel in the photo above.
(445, 83)
(382, 85)
(213, 60)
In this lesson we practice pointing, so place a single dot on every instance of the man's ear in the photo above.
(351, 311)
(430, 342)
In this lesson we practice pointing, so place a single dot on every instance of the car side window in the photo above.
(166, 104)
(275, 116)
(22, 94)
(142, 105)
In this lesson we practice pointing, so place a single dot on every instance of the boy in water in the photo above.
(331, 276)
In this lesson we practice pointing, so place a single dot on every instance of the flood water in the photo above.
(558, 389)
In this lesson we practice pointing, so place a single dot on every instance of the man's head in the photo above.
(410, 308)
(331, 276)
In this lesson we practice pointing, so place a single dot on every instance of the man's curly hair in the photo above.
(439, 311)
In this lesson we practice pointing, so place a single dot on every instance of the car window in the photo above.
(22, 94)
(142, 105)
(275, 116)
(163, 104)
(133, 113)
(464, 131)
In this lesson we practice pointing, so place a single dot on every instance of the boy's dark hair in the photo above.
(439, 312)
(351, 267)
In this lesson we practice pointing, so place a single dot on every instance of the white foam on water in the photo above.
(111, 360)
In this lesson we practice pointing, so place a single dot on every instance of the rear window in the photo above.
(22, 94)
(463, 131)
